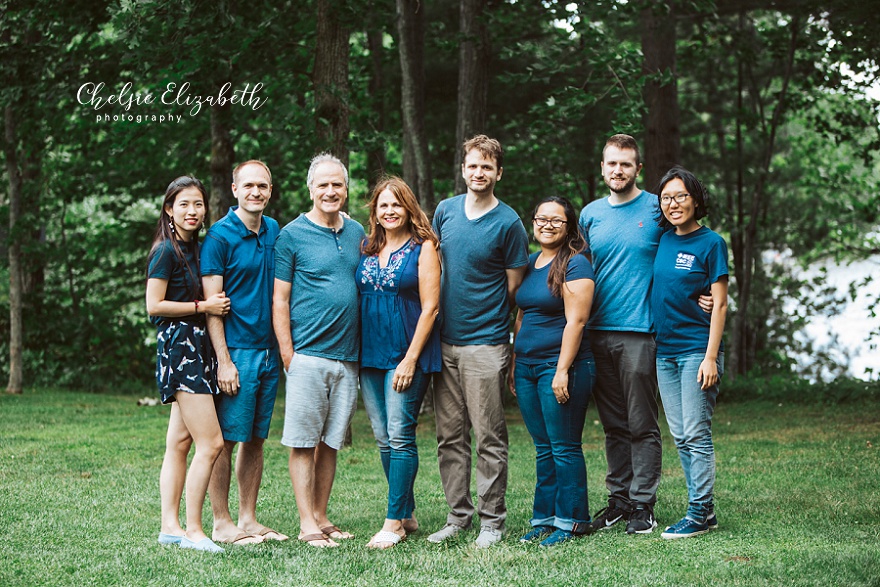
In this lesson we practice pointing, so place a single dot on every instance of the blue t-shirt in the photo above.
(685, 268)
(474, 308)
(622, 241)
(246, 261)
(540, 334)
(320, 265)
(390, 310)
(181, 277)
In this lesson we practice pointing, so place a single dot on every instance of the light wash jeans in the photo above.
(394, 417)
(689, 412)
(557, 430)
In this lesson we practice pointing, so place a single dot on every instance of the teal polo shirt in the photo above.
(246, 261)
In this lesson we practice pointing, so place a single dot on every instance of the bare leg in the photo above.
(171, 478)
(249, 472)
(200, 418)
(325, 473)
(218, 489)
(302, 475)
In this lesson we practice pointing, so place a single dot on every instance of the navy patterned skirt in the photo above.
(185, 360)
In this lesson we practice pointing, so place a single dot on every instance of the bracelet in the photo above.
(197, 306)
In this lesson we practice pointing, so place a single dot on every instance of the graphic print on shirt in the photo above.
(684, 261)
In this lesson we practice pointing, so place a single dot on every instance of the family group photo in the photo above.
(458, 292)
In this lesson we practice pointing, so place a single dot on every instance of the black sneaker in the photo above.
(608, 516)
(641, 521)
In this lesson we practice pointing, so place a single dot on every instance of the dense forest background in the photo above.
(767, 101)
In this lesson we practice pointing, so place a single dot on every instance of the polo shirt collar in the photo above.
(242, 230)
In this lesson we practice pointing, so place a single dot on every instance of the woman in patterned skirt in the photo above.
(185, 361)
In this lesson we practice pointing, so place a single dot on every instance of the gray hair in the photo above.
(324, 158)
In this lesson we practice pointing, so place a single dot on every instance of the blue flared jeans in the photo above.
(394, 417)
(557, 430)
(689, 412)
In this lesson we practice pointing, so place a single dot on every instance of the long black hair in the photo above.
(165, 228)
(693, 186)
(574, 244)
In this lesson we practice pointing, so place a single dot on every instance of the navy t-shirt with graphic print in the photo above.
(684, 269)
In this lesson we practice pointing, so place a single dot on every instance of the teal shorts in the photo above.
(247, 414)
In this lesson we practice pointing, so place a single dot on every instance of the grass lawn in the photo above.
(797, 500)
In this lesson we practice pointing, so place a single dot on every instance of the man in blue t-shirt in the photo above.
(622, 234)
(484, 248)
(316, 317)
(238, 257)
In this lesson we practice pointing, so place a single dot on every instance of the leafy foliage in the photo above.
(564, 76)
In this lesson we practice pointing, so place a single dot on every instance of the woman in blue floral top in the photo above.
(399, 283)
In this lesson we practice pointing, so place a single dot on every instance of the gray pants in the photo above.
(626, 397)
(469, 394)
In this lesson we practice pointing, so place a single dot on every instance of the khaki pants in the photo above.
(469, 394)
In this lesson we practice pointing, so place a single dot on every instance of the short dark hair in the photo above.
(489, 148)
(622, 141)
(693, 186)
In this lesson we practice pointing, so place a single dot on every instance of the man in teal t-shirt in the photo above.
(622, 234)
(484, 248)
(315, 314)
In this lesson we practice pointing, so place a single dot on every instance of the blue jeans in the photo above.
(557, 429)
(394, 417)
(689, 412)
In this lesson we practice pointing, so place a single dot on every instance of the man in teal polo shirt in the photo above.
(238, 257)
(315, 312)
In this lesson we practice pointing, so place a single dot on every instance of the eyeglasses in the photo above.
(540, 221)
(679, 199)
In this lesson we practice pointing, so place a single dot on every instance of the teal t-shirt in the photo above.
(622, 241)
(320, 265)
(685, 268)
(476, 254)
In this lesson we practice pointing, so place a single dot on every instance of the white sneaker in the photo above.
(447, 531)
(488, 537)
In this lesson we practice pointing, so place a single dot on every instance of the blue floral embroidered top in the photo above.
(390, 310)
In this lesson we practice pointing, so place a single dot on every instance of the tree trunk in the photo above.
(330, 77)
(662, 132)
(411, 37)
(744, 234)
(16, 338)
(376, 154)
(474, 54)
(222, 161)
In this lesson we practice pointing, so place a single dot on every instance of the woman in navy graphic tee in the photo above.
(691, 261)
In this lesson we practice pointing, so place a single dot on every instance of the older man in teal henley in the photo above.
(315, 314)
